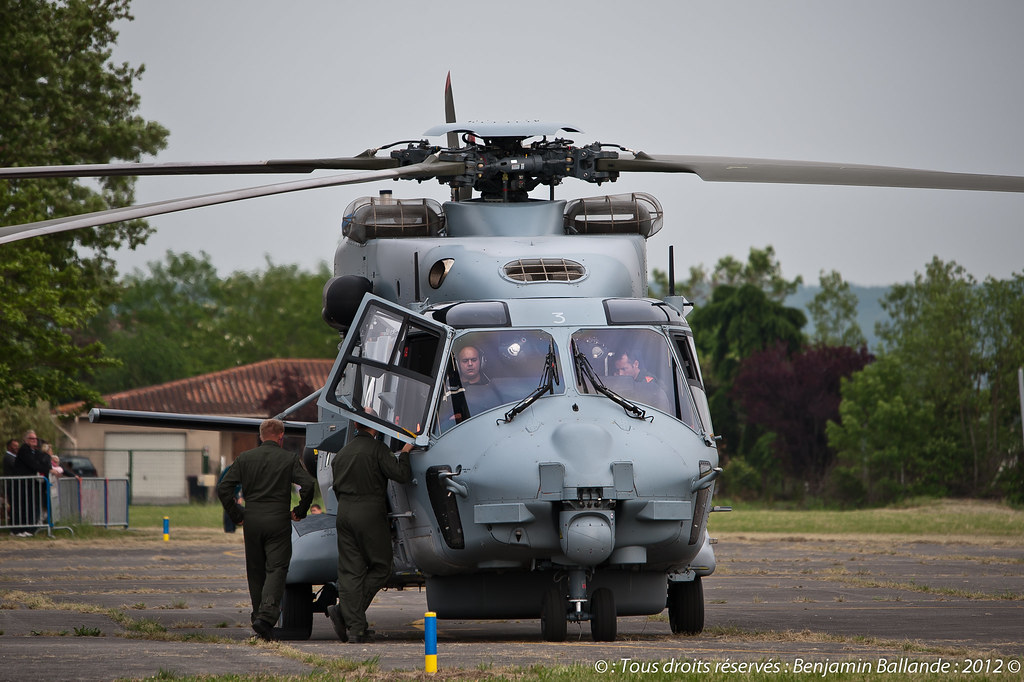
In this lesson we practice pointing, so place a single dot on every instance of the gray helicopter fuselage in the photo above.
(502, 500)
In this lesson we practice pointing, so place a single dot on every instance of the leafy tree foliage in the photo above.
(62, 102)
(794, 395)
(275, 313)
(737, 322)
(761, 270)
(888, 444)
(951, 350)
(16, 420)
(162, 328)
(833, 312)
(181, 319)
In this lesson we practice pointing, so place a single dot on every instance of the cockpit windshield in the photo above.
(638, 365)
(492, 368)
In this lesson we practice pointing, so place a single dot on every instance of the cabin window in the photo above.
(690, 374)
(490, 369)
(638, 365)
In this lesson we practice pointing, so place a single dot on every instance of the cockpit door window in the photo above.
(389, 369)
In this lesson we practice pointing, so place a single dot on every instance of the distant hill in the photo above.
(869, 310)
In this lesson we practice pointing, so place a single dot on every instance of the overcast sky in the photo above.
(924, 84)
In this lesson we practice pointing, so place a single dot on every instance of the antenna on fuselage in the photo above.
(671, 270)
(416, 276)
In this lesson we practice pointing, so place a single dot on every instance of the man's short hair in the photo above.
(11, 442)
(271, 428)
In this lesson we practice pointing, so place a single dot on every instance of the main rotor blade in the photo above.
(458, 193)
(727, 169)
(430, 168)
(365, 161)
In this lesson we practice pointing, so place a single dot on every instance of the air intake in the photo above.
(544, 270)
(636, 213)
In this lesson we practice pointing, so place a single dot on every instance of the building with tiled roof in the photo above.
(167, 464)
(235, 392)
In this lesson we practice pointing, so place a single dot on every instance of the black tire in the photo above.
(686, 607)
(603, 627)
(296, 612)
(553, 612)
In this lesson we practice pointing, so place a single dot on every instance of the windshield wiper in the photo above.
(584, 369)
(548, 380)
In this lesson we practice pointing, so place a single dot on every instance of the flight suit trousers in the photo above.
(364, 556)
(268, 552)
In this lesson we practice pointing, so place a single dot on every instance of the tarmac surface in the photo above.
(136, 607)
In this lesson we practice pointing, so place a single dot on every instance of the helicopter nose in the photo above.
(587, 535)
(582, 441)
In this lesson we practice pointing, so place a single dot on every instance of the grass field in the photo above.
(924, 517)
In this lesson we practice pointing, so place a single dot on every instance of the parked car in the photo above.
(78, 466)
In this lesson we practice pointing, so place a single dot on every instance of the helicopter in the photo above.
(566, 459)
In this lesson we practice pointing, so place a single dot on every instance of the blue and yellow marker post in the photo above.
(167, 528)
(430, 641)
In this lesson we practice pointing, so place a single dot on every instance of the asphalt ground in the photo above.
(777, 599)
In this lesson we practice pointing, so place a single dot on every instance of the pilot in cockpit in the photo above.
(627, 364)
(470, 366)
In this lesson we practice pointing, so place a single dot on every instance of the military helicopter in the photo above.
(567, 460)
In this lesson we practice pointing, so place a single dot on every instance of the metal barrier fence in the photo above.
(29, 504)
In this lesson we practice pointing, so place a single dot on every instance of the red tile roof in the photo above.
(235, 392)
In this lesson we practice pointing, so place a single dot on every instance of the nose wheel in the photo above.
(686, 607)
(603, 625)
(553, 615)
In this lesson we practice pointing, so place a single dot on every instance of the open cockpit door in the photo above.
(388, 372)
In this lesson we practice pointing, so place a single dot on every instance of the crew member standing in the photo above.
(266, 475)
(361, 472)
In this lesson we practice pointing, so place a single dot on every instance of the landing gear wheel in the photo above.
(553, 611)
(686, 607)
(602, 615)
(296, 612)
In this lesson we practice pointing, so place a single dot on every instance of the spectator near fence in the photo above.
(31, 461)
(10, 457)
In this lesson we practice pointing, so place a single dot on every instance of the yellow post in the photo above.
(167, 528)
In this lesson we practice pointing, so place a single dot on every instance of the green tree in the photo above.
(737, 322)
(833, 313)
(164, 325)
(62, 102)
(181, 319)
(762, 270)
(933, 329)
(16, 420)
(956, 344)
(887, 441)
(276, 313)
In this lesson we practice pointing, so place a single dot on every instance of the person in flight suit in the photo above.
(361, 472)
(266, 474)
(627, 364)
